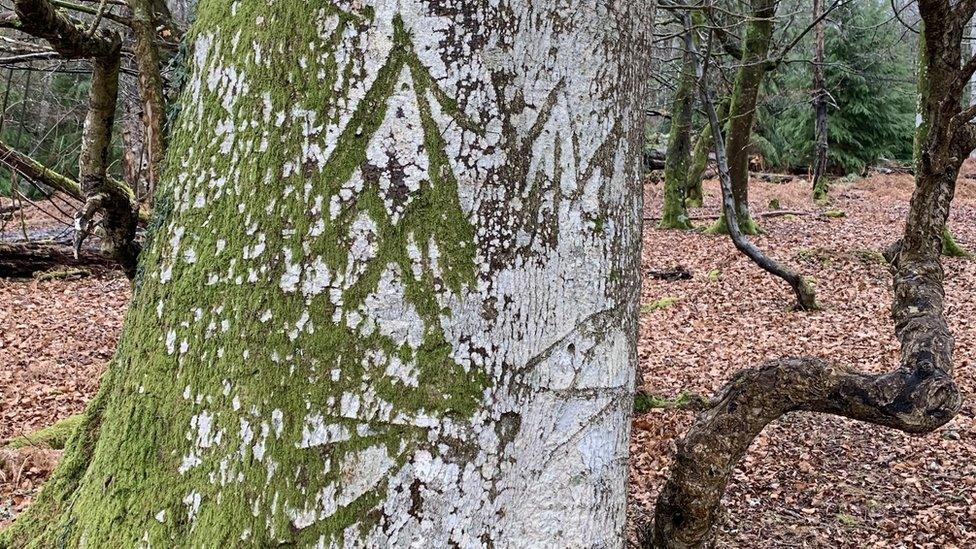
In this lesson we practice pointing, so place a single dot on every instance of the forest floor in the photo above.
(807, 481)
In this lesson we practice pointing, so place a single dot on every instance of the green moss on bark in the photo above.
(196, 436)
(675, 215)
(747, 225)
(54, 436)
(743, 101)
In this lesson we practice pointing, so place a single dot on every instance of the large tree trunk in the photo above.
(675, 212)
(742, 108)
(391, 295)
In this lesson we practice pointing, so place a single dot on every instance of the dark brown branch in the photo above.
(40, 18)
(775, 62)
(39, 173)
(92, 11)
(805, 295)
(917, 397)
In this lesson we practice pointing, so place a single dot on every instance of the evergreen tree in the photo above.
(872, 99)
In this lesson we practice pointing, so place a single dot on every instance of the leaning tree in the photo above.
(917, 397)
(390, 295)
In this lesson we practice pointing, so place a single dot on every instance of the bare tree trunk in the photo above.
(742, 109)
(675, 214)
(26, 260)
(133, 130)
(146, 18)
(347, 331)
(820, 184)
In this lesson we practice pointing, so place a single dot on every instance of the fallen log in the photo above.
(654, 159)
(25, 260)
(777, 178)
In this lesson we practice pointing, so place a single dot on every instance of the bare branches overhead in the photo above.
(68, 37)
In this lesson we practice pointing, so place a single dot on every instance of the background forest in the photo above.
(870, 68)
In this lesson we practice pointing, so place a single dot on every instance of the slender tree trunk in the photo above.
(820, 184)
(676, 164)
(133, 130)
(145, 20)
(699, 158)
(742, 109)
(345, 330)
(806, 298)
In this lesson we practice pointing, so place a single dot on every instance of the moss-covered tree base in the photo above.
(747, 225)
(41, 525)
(820, 192)
(951, 248)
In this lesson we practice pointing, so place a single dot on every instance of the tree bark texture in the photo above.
(391, 293)
(145, 21)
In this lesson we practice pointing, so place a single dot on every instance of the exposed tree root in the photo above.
(951, 248)
(54, 436)
(39, 526)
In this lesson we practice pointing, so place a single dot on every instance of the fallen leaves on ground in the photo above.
(55, 338)
(808, 480)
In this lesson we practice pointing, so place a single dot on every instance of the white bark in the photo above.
(267, 251)
(554, 87)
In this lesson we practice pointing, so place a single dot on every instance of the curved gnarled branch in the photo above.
(918, 397)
